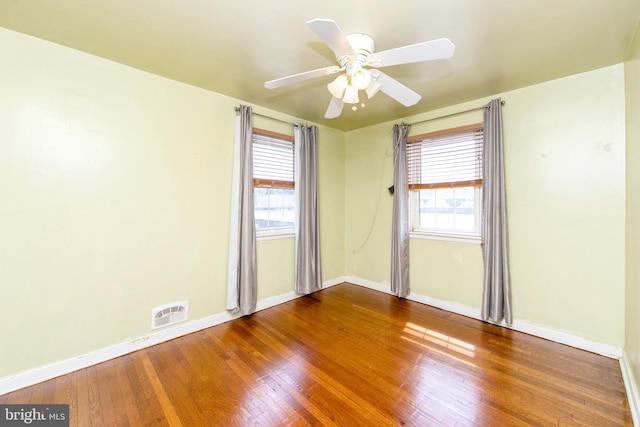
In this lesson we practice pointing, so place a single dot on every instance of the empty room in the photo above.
(239, 213)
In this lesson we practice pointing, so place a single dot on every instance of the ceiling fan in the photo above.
(359, 66)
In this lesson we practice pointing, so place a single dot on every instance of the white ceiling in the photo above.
(233, 46)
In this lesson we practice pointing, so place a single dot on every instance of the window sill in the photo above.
(274, 236)
(449, 237)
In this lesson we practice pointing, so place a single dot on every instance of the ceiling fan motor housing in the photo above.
(363, 44)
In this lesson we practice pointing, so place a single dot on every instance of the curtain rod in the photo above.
(452, 114)
(267, 117)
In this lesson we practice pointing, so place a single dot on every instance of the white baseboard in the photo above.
(631, 387)
(518, 325)
(43, 373)
(333, 282)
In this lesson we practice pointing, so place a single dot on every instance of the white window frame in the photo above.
(415, 231)
(447, 235)
(271, 233)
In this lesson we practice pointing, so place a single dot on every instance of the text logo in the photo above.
(34, 415)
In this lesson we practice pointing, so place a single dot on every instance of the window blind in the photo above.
(445, 159)
(272, 160)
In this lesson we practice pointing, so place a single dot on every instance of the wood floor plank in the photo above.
(81, 412)
(161, 395)
(97, 407)
(147, 403)
(131, 413)
(345, 356)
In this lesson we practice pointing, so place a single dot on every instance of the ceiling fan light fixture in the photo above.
(354, 53)
(338, 86)
(351, 95)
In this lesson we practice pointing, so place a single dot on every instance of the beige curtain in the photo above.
(400, 223)
(308, 274)
(241, 278)
(496, 303)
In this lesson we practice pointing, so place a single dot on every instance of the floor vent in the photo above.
(168, 314)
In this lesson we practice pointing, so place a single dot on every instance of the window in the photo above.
(273, 183)
(445, 182)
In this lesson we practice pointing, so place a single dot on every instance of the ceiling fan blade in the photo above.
(296, 78)
(330, 33)
(334, 109)
(426, 51)
(397, 90)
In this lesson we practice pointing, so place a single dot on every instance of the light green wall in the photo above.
(564, 155)
(632, 324)
(115, 189)
(565, 177)
(369, 159)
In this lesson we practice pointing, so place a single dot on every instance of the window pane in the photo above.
(427, 209)
(447, 209)
(445, 179)
(274, 207)
(463, 210)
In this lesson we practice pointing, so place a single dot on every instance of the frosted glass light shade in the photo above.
(351, 95)
(338, 86)
(361, 79)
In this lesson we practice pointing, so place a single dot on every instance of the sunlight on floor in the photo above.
(423, 336)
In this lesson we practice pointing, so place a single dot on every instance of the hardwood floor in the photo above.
(345, 356)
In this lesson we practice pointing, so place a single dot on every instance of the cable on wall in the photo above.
(375, 214)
